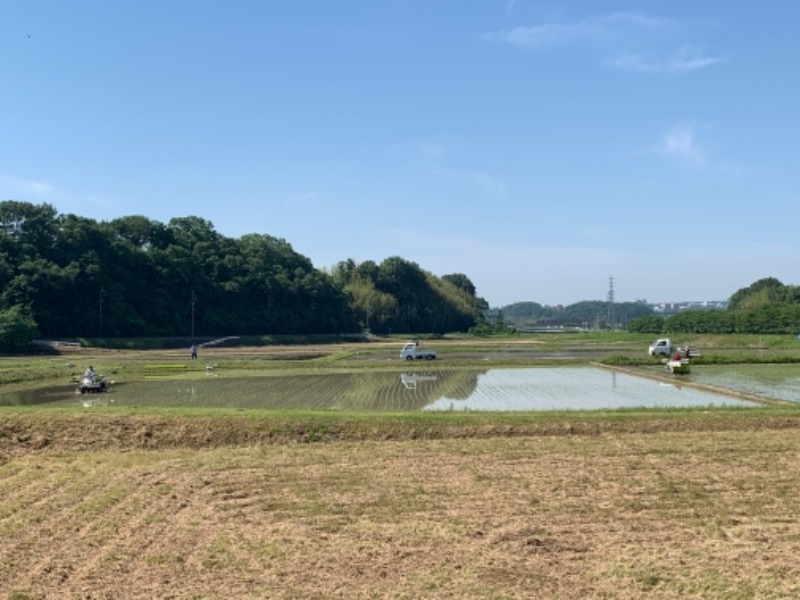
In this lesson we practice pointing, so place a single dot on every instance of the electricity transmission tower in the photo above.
(610, 321)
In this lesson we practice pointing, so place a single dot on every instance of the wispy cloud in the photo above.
(437, 157)
(102, 204)
(599, 28)
(15, 185)
(487, 183)
(432, 149)
(301, 198)
(425, 149)
(686, 58)
(682, 144)
(679, 142)
(614, 34)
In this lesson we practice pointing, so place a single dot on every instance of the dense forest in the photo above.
(67, 276)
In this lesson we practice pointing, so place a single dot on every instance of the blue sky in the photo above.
(538, 147)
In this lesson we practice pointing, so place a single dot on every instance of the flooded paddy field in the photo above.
(496, 389)
(775, 381)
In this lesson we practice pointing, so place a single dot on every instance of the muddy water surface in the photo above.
(529, 389)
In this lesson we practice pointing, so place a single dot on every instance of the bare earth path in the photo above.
(624, 515)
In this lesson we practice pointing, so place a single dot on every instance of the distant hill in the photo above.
(766, 306)
(589, 314)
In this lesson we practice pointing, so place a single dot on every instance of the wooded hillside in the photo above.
(766, 306)
(71, 276)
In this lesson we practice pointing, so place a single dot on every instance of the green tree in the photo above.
(462, 282)
(31, 225)
(17, 328)
(761, 292)
(648, 324)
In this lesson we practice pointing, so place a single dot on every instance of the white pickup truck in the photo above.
(664, 347)
(412, 351)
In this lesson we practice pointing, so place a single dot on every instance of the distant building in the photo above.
(671, 308)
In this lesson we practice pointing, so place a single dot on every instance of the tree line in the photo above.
(766, 306)
(593, 314)
(67, 276)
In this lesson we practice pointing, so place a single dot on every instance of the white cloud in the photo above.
(486, 182)
(604, 27)
(436, 155)
(635, 19)
(425, 149)
(302, 197)
(688, 58)
(616, 34)
(40, 189)
(490, 184)
(679, 142)
(538, 36)
(685, 58)
(432, 149)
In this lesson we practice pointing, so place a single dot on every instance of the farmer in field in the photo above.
(194, 351)
(89, 374)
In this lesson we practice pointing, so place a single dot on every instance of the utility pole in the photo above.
(194, 300)
(102, 296)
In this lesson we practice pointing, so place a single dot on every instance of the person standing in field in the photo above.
(194, 351)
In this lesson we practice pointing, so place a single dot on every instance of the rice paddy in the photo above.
(521, 389)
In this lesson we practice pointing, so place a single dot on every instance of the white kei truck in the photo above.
(412, 351)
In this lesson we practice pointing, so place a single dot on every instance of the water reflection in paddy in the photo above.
(531, 389)
(778, 381)
(576, 388)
